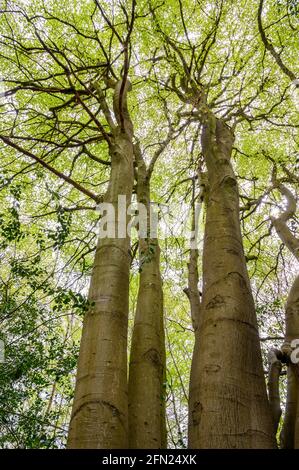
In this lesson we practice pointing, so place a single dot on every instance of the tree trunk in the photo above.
(100, 409)
(290, 431)
(275, 366)
(231, 409)
(147, 427)
(193, 295)
(289, 437)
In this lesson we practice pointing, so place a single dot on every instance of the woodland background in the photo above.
(48, 221)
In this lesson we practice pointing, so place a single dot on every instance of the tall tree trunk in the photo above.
(289, 438)
(231, 409)
(290, 431)
(192, 290)
(147, 427)
(193, 295)
(100, 409)
(275, 366)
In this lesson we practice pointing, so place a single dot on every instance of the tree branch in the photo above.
(269, 46)
(60, 175)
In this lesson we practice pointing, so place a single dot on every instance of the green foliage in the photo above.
(51, 54)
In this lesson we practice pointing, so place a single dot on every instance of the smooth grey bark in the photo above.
(147, 370)
(100, 408)
(231, 408)
(275, 367)
(289, 437)
(193, 294)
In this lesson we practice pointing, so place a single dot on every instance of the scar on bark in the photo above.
(217, 301)
(196, 413)
(153, 356)
(115, 411)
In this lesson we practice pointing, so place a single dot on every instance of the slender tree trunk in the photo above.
(290, 431)
(193, 295)
(147, 426)
(289, 437)
(100, 409)
(275, 366)
(192, 290)
(231, 409)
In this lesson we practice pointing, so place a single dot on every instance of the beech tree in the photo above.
(186, 109)
(289, 432)
(147, 426)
